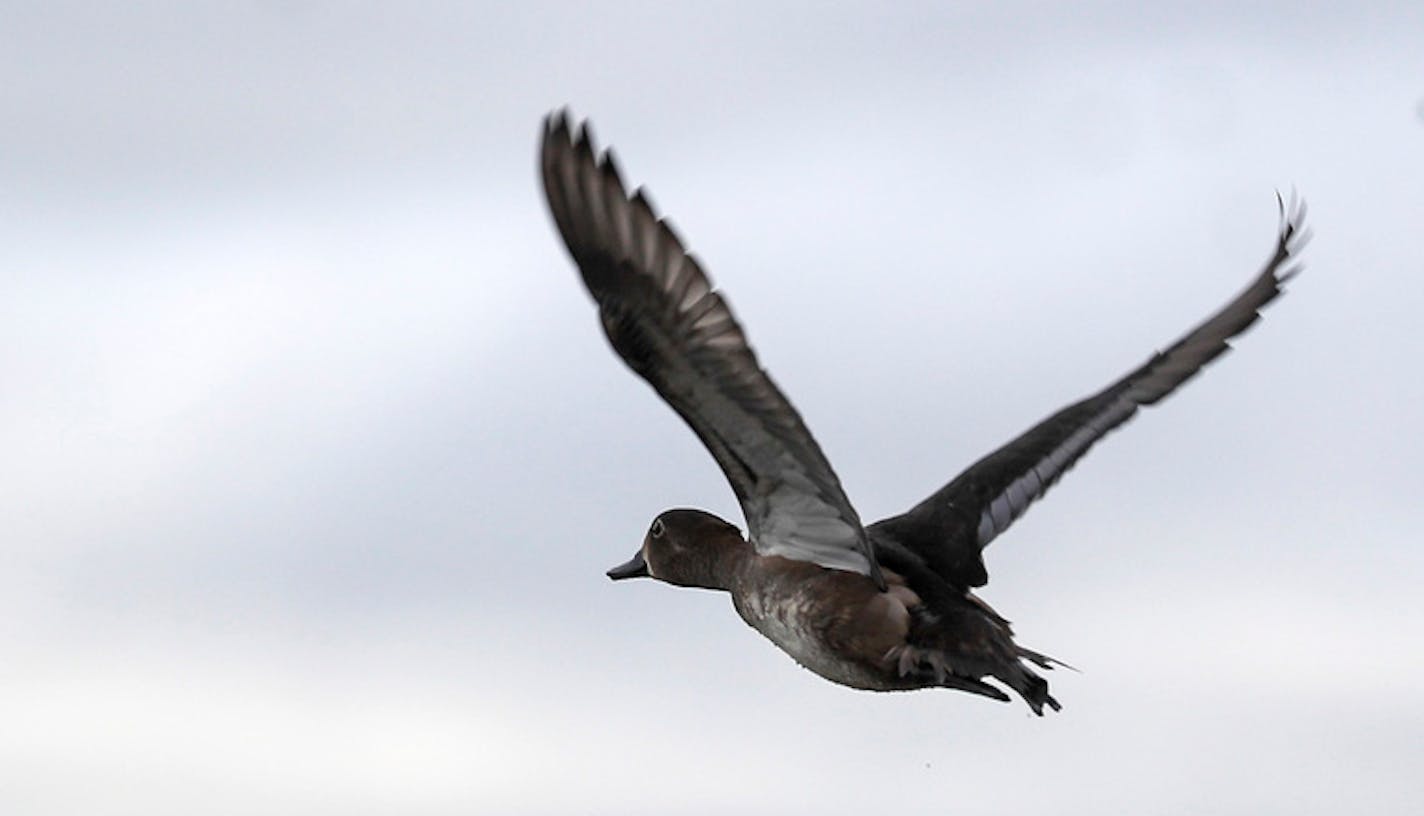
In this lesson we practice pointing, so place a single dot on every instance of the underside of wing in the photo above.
(664, 319)
(951, 528)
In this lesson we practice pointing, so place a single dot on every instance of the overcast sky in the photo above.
(316, 455)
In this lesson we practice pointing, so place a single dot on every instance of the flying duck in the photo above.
(886, 606)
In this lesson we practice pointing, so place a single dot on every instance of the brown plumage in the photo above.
(883, 607)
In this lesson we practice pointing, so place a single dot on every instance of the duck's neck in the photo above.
(728, 559)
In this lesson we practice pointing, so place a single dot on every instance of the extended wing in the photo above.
(663, 318)
(951, 528)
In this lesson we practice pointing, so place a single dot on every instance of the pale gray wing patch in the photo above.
(1005, 508)
(664, 319)
(795, 521)
(1160, 376)
(950, 527)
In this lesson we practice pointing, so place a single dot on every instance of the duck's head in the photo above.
(687, 548)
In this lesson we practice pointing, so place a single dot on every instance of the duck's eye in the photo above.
(657, 528)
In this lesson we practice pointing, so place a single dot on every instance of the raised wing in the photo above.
(663, 318)
(951, 528)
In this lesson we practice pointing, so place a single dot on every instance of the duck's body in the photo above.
(917, 632)
(841, 626)
(884, 607)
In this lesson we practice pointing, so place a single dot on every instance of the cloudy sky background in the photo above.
(316, 456)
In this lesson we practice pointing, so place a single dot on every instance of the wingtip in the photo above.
(1294, 235)
(608, 163)
(1292, 215)
(556, 123)
(562, 129)
(560, 125)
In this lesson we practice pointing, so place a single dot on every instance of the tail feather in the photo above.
(962, 647)
(1042, 661)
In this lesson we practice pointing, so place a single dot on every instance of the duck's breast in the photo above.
(835, 623)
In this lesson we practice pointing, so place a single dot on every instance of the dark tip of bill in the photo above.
(635, 567)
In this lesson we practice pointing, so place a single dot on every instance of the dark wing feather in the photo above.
(951, 528)
(663, 318)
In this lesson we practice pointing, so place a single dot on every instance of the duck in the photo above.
(887, 606)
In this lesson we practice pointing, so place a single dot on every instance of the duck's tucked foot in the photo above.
(934, 667)
(1033, 689)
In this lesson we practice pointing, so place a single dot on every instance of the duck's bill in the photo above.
(635, 568)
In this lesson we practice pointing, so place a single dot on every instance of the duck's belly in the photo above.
(791, 624)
